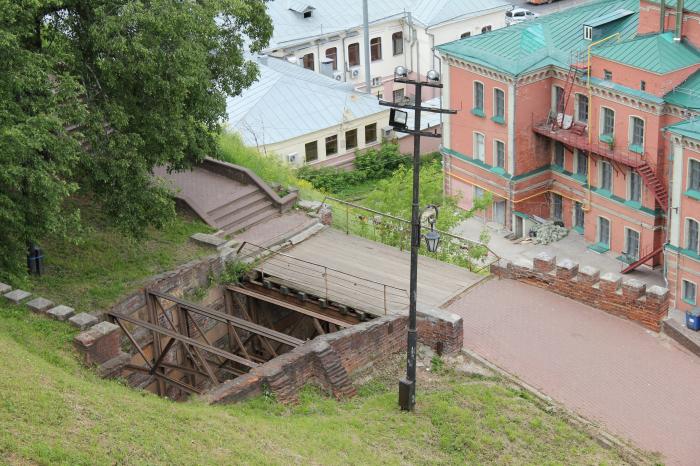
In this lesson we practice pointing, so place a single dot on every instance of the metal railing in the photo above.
(395, 231)
(325, 282)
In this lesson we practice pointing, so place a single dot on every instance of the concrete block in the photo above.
(307, 233)
(610, 281)
(588, 275)
(633, 288)
(205, 239)
(309, 205)
(17, 296)
(544, 262)
(5, 288)
(566, 269)
(40, 304)
(83, 320)
(658, 294)
(61, 312)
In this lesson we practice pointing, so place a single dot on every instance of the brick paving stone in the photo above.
(83, 320)
(17, 296)
(40, 304)
(5, 288)
(638, 384)
(61, 312)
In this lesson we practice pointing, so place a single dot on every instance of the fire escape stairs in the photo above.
(654, 183)
(642, 259)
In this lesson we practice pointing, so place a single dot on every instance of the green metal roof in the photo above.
(687, 94)
(606, 18)
(656, 53)
(690, 128)
(688, 5)
(548, 40)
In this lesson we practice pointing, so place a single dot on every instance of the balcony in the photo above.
(579, 140)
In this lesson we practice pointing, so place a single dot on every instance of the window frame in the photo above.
(639, 242)
(397, 36)
(334, 56)
(483, 146)
(687, 235)
(630, 189)
(306, 151)
(375, 47)
(601, 175)
(496, 156)
(371, 141)
(632, 119)
(312, 61)
(496, 92)
(603, 122)
(464, 35)
(487, 28)
(557, 205)
(578, 108)
(684, 285)
(356, 54)
(689, 182)
(351, 131)
(607, 75)
(556, 154)
(600, 229)
(582, 155)
(474, 95)
(578, 207)
(333, 138)
(555, 97)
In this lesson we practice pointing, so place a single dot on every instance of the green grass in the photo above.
(105, 265)
(53, 411)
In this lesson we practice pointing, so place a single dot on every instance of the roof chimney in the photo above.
(679, 20)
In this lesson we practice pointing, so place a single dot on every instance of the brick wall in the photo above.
(608, 292)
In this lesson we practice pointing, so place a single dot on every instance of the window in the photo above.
(643, 85)
(691, 235)
(332, 53)
(351, 139)
(579, 216)
(587, 33)
(478, 96)
(398, 95)
(311, 151)
(499, 154)
(354, 54)
(637, 129)
(478, 193)
(557, 206)
(499, 104)
(581, 163)
(688, 292)
(375, 49)
(582, 108)
(371, 133)
(558, 99)
(332, 145)
(608, 128)
(693, 175)
(631, 243)
(486, 29)
(604, 231)
(308, 61)
(605, 176)
(307, 14)
(465, 35)
(559, 154)
(479, 146)
(635, 187)
(397, 43)
(607, 75)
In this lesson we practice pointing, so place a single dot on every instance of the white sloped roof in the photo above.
(289, 101)
(331, 16)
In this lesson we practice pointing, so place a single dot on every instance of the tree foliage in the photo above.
(95, 93)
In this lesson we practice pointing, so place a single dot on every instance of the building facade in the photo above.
(327, 36)
(563, 118)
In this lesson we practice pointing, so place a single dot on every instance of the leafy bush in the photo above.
(329, 179)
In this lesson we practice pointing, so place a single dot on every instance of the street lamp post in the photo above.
(407, 386)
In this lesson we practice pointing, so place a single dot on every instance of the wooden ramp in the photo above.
(364, 274)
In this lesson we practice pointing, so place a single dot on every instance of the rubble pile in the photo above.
(548, 233)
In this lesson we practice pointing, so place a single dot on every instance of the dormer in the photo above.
(301, 8)
(600, 27)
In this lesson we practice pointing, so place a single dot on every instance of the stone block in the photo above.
(83, 320)
(633, 288)
(610, 282)
(588, 275)
(60, 312)
(310, 205)
(5, 288)
(99, 343)
(544, 262)
(17, 296)
(40, 305)
(213, 241)
(307, 233)
(325, 214)
(566, 269)
(657, 295)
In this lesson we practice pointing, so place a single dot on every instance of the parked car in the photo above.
(518, 15)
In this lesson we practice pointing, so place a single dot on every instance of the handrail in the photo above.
(407, 222)
(388, 292)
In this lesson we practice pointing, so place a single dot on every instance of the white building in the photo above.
(327, 36)
(304, 117)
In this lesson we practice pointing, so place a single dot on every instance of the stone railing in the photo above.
(630, 298)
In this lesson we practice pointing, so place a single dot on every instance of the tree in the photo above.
(96, 93)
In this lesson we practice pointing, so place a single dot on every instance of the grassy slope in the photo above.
(52, 411)
(106, 265)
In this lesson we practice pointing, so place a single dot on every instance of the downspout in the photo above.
(679, 20)
(344, 63)
(668, 216)
(662, 16)
(412, 31)
(511, 183)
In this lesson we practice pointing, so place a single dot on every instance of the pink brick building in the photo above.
(586, 117)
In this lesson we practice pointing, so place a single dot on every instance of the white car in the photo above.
(518, 15)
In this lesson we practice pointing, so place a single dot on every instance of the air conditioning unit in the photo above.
(338, 76)
(355, 73)
(387, 132)
(292, 158)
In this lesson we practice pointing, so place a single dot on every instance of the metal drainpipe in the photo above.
(412, 32)
(342, 45)
(662, 16)
(511, 183)
(679, 20)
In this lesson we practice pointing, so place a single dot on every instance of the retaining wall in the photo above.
(629, 298)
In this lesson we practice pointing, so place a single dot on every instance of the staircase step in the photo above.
(236, 208)
(251, 220)
(239, 215)
(240, 196)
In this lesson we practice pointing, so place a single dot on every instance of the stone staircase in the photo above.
(246, 208)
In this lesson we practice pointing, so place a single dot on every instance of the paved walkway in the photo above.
(572, 247)
(637, 384)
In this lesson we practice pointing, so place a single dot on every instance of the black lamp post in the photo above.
(398, 121)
